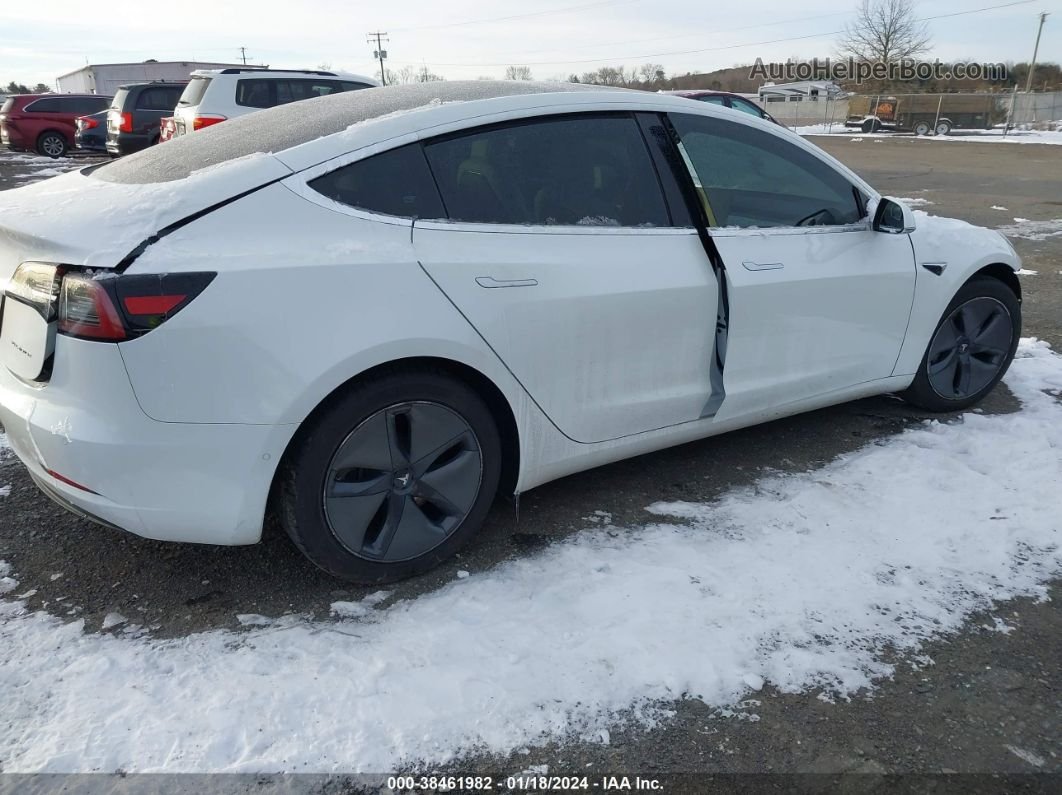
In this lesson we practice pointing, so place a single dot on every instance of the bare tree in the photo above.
(885, 30)
(518, 73)
(412, 74)
(652, 75)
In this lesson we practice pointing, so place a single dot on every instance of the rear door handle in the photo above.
(490, 282)
(763, 266)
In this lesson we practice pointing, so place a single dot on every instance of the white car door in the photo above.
(818, 301)
(590, 283)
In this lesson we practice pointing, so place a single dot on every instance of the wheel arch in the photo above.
(1003, 273)
(493, 396)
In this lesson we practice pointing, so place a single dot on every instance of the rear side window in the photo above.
(256, 93)
(46, 105)
(157, 99)
(746, 107)
(397, 182)
(194, 91)
(119, 98)
(575, 171)
(713, 100)
(269, 92)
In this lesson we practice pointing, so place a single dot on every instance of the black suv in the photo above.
(135, 114)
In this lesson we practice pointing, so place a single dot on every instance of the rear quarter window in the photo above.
(119, 99)
(9, 103)
(396, 183)
(46, 105)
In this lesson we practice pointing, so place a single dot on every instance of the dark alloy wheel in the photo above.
(403, 481)
(390, 477)
(971, 349)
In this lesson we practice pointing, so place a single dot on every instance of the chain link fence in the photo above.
(905, 112)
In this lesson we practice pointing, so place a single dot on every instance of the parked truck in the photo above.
(926, 114)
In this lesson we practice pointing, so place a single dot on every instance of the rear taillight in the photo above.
(86, 310)
(86, 123)
(120, 307)
(199, 122)
(36, 284)
(127, 123)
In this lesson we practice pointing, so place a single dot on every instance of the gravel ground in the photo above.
(991, 703)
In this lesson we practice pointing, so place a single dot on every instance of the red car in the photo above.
(167, 128)
(727, 100)
(45, 123)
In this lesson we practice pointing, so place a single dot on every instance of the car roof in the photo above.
(130, 86)
(309, 132)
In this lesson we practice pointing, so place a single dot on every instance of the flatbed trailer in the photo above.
(926, 114)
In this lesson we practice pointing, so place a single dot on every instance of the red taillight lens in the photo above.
(199, 122)
(127, 123)
(86, 123)
(87, 311)
(120, 307)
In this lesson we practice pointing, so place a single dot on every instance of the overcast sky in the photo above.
(473, 38)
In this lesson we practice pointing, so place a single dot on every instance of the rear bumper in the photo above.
(169, 481)
(127, 143)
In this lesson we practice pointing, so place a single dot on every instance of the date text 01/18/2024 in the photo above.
(522, 783)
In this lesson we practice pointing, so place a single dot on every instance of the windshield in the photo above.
(193, 92)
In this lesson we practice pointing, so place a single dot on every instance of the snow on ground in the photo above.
(803, 582)
(978, 136)
(1032, 230)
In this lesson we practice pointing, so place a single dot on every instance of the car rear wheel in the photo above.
(923, 128)
(392, 477)
(871, 125)
(971, 349)
(51, 144)
(942, 128)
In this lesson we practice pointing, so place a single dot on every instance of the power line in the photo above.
(529, 14)
(727, 46)
(243, 55)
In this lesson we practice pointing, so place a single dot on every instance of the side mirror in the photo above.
(893, 217)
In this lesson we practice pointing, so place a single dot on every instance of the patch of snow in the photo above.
(253, 620)
(916, 202)
(5, 491)
(113, 620)
(362, 608)
(1026, 756)
(999, 625)
(1026, 272)
(1050, 137)
(997, 207)
(809, 582)
(1032, 230)
(462, 575)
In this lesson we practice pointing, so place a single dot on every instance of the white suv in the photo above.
(214, 95)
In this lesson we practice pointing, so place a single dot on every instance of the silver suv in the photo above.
(214, 95)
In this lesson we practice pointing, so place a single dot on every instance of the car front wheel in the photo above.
(51, 144)
(971, 349)
(392, 477)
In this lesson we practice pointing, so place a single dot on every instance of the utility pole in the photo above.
(243, 55)
(380, 53)
(1036, 50)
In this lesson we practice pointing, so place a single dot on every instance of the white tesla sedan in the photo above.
(370, 312)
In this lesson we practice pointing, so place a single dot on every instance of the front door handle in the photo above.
(490, 282)
(763, 266)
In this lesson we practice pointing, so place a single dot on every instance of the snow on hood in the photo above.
(78, 219)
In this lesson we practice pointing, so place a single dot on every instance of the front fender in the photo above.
(964, 250)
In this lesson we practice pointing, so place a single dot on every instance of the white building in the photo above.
(105, 78)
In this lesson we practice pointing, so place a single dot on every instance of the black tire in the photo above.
(313, 474)
(984, 294)
(943, 127)
(923, 128)
(51, 144)
(871, 125)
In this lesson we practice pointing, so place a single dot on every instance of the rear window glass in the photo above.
(119, 99)
(393, 183)
(194, 91)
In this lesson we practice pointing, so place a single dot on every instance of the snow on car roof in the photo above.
(286, 126)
